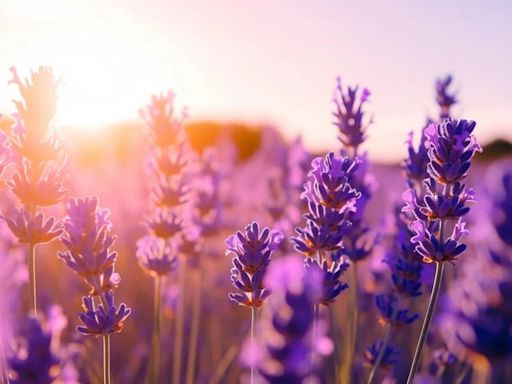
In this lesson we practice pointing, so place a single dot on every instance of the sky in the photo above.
(269, 62)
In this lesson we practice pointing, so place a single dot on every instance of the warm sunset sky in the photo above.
(267, 61)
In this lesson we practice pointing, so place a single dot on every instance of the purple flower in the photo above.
(155, 255)
(388, 306)
(445, 99)
(331, 275)
(105, 318)
(349, 115)
(451, 146)
(330, 200)
(251, 253)
(32, 230)
(415, 165)
(36, 364)
(283, 352)
(88, 240)
(165, 223)
(389, 359)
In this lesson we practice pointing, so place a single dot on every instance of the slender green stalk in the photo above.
(223, 365)
(106, 358)
(253, 325)
(32, 291)
(381, 354)
(196, 309)
(180, 325)
(157, 327)
(350, 346)
(438, 278)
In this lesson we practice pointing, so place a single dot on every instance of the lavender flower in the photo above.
(331, 274)
(103, 319)
(251, 253)
(390, 312)
(349, 115)
(415, 165)
(32, 230)
(284, 352)
(36, 364)
(156, 255)
(450, 147)
(88, 240)
(389, 357)
(330, 198)
(444, 98)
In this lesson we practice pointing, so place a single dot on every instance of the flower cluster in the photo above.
(349, 115)
(450, 147)
(287, 349)
(330, 199)
(444, 98)
(88, 240)
(37, 363)
(252, 252)
(38, 158)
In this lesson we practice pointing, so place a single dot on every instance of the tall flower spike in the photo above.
(88, 239)
(444, 98)
(251, 251)
(330, 199)
(349, 115)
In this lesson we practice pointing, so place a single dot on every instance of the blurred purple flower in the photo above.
(35, 364)
(283, 352)
(155, 255)
(349, 115)
(331, 273)
(389, 358)
(444, 98)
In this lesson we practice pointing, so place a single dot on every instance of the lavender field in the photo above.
(189, 252)
(240, 192)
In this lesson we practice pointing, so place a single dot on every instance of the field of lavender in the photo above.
(175, 255)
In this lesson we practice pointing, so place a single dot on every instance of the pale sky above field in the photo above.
(267, 61)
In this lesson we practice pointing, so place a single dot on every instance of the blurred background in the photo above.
(266, 62)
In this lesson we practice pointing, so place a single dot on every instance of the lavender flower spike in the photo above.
(349, 115)
(104, 319)
(251, 252)
(88, 240)
(37, 364)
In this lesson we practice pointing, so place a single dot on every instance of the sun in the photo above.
(105, 75)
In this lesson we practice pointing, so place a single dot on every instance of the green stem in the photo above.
(426, 322)
(381, 354)
(253, 324)
(32, 294)
(157, 327)
(350, 348)
(180, 325)
(196, 309)
(106, 359)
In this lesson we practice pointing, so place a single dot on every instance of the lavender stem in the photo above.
(196, 309)
(32, 294)
(253, 312)
(106, 358)
(381, 354)
(426, 322)
(180, 324)
(155, 342)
